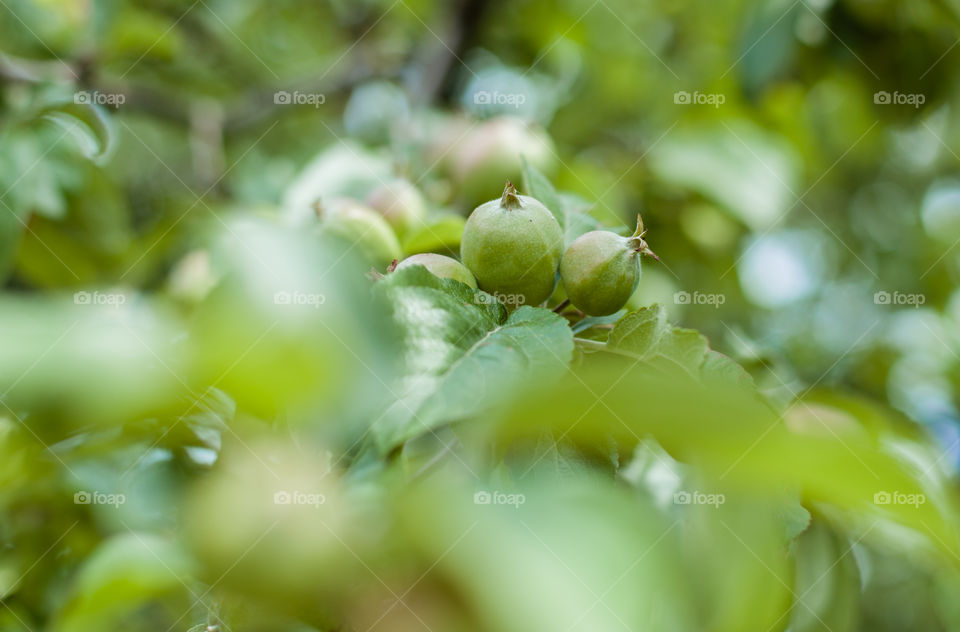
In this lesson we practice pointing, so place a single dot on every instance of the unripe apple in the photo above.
(362, 227)
(400, 203)
(513, 246)
(600, 270)
(493, 150)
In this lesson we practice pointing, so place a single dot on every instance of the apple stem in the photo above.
(510, 199)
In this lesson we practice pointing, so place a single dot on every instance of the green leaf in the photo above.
(828, 584)
(11, 231)
(537, 185)
(567, 461)
(50, 255)
(126, 572)
(567, 209)
(99, 386)
(437, 234)
(503, 551)
(31, 181)
(577, 224)
(686, 347)
(593, 321)
(462, 356)
(87, 119)
(646, 335)
(795, 517)
(732, 435)
(750, 173)
(718, 368)
(640, 332)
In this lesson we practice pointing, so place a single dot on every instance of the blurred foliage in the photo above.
(212, 419)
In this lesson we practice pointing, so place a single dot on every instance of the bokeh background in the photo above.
(795, 163)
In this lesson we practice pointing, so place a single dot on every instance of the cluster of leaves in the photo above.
(798, 81)
(403, 454)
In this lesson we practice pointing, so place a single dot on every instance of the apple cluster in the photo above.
(511, 246)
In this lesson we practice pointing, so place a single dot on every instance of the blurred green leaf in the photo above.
(501, 555)
(828, 583)
(90, 120)
(438, 234)
(749, 171)
(572, 221)
(126, 573)
(731, 434)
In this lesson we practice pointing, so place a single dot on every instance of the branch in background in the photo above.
(37, 71)
(246, 111)
(440, 61)
(436, 81)
(206, 141)
(259, 106)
